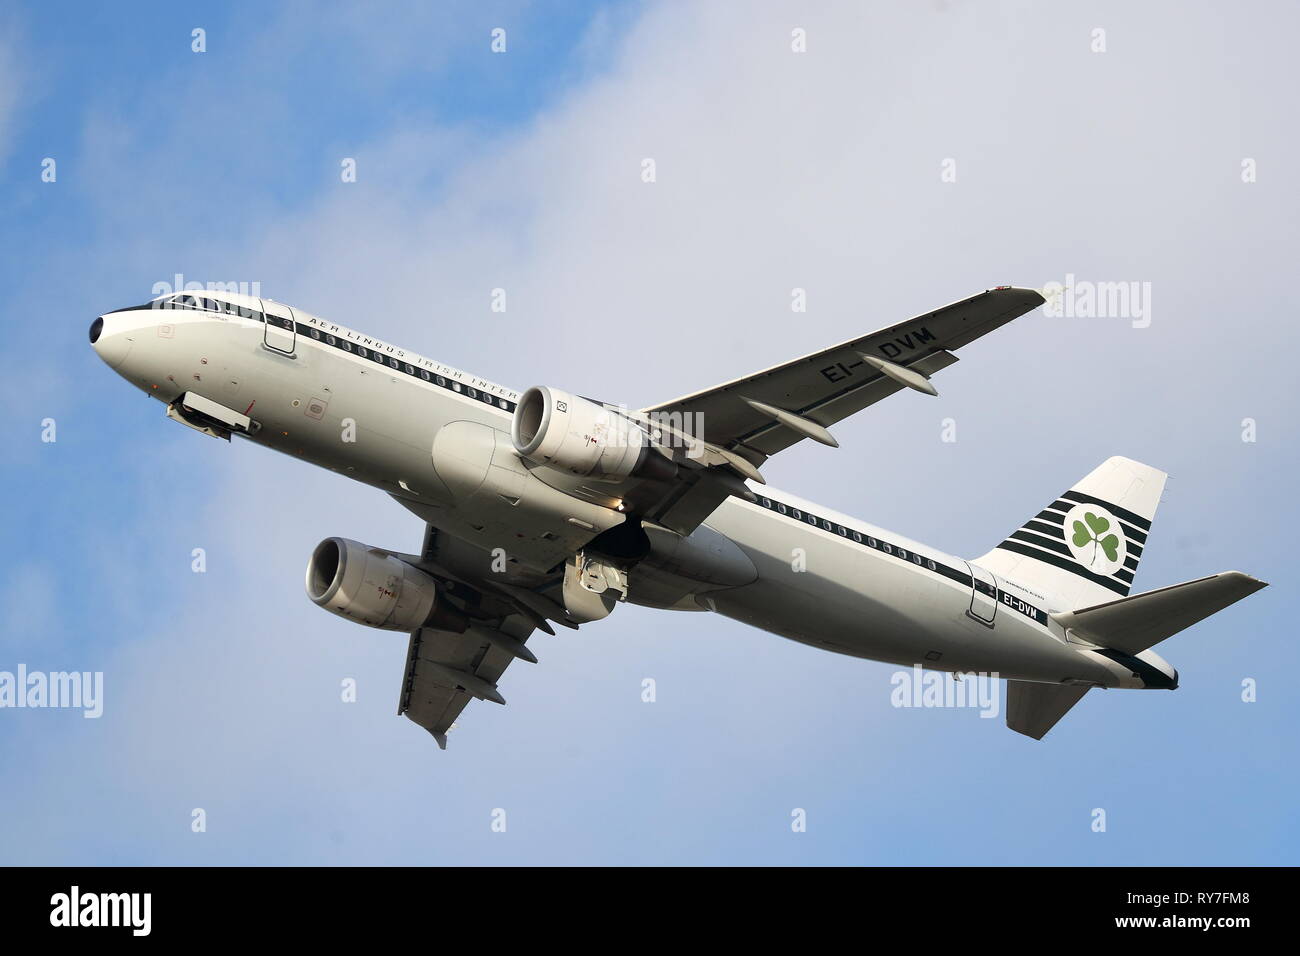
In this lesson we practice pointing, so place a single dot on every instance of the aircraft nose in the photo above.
(110, 344)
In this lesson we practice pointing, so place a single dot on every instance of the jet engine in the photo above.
(584, 438)
(374, 588)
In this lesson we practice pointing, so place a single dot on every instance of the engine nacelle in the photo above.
(580, 437)
(372, 587)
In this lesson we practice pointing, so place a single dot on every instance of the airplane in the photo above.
(548, 508)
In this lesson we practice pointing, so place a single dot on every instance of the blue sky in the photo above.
(521, 171)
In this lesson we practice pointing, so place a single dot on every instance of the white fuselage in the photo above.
(415, 428)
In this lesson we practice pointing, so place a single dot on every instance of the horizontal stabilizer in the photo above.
(1033, 709)
(1134, 623)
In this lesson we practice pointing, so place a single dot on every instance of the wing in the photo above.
(741, 423)
(761, 414)
(447, 669)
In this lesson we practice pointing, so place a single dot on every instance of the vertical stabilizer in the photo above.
(1084, 547)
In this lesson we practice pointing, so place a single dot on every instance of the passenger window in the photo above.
(781, 508)
(857, 537)
(362, 352)
(330, 340)
(425, 375)
(393, 362)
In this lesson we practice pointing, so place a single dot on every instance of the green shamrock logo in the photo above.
(1092, 532)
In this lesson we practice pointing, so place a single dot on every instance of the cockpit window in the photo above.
(151, 304)
(201, 303)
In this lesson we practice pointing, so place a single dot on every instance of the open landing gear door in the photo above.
(209, 417)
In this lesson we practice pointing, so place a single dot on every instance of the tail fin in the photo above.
(1084, 547)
